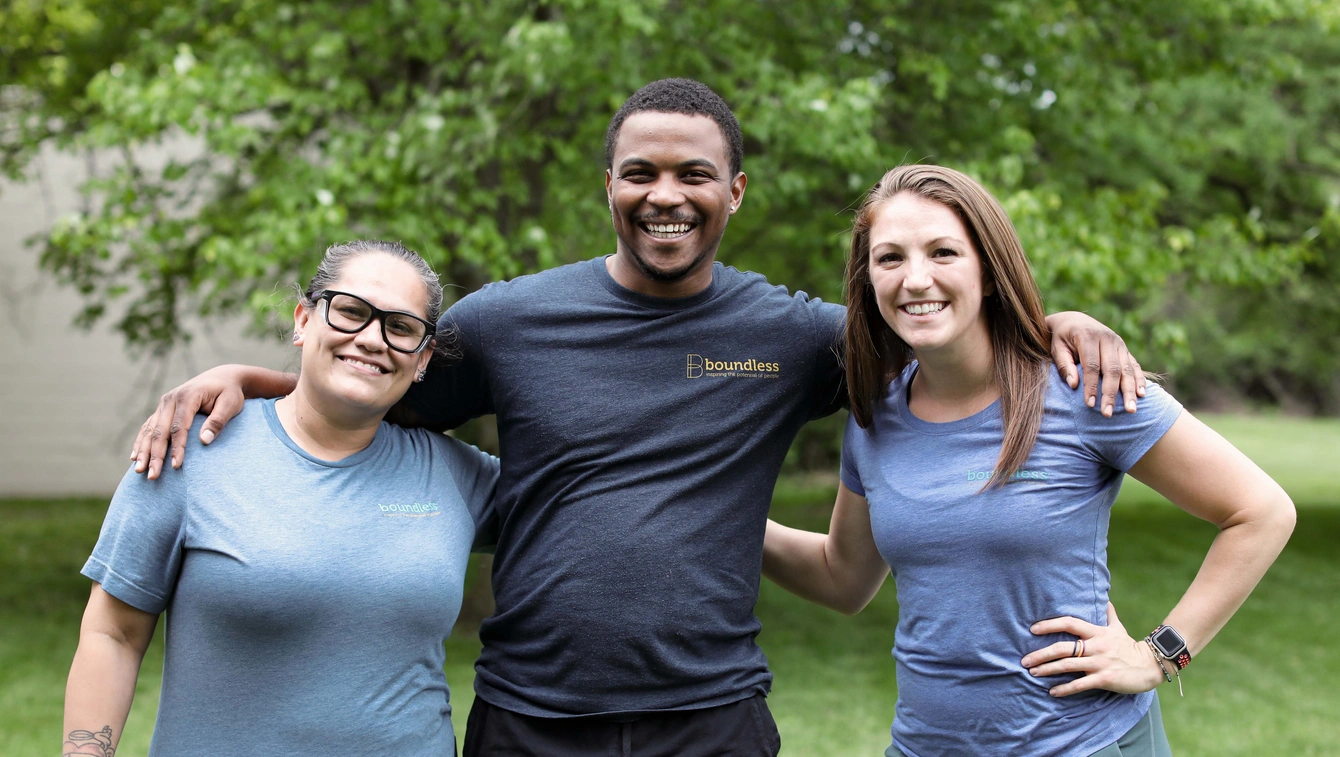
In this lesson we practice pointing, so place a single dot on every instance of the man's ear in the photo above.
(737, 186)
(609, 184)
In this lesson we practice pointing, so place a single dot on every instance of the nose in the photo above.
(370, 337)
(665, 192)
(917, 273)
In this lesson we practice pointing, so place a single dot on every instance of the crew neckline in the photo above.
(901, 402)
(277, 428)
(645, 300)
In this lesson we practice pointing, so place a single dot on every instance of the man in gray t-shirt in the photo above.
(645, 403)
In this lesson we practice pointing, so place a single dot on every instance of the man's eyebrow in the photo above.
(636, 162)
(698, 163)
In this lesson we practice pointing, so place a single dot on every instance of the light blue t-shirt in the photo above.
(307, 601)
(974, 569)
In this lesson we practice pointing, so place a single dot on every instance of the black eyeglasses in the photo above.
(350, 314)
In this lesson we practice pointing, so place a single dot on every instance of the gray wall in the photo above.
(72, 400)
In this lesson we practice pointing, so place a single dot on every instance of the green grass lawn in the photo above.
(1265, 687)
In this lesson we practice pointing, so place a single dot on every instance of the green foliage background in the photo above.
(1172, 165)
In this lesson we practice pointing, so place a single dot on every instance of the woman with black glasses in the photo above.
(311, 562)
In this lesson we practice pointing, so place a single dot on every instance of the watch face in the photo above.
(1168, 641)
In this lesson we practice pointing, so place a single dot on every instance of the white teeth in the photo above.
(668, 229)
(376, 368)
(922, 308)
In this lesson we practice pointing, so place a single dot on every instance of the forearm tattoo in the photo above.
(89, 744)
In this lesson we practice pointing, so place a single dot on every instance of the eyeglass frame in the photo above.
(377, 315)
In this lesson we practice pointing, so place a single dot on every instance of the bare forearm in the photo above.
(803, 563)
(1200, 472)
(98, 694)
(1236, 562)
(794, 560)
(264, 383)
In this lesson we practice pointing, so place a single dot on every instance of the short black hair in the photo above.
(692, 98)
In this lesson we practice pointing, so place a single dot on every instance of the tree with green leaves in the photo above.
(1171, 166)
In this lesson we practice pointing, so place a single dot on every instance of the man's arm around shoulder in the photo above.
(220, 392)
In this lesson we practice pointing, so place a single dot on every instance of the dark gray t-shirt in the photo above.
(307, 600)
(640, 440)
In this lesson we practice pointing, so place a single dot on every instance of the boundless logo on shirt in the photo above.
(1019, 475)
(416, 510)
(699, 366)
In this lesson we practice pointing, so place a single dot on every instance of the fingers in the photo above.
(1089, 682)
(166, 429)
(1058, 651)
(1067, 664)
(218, 392)
(139, 452)
(1090, 358)
(151, 449)
(1106, 657)
(1110, 351)
(225, 407)
(1064, 624)
(1132, 379)
(1065, 362)
(181, 424)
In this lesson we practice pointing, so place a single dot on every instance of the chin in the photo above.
(679, 266)
(365, 398)
(921, 342)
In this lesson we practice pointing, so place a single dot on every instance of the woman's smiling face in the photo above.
(358, 374)
(927, 274)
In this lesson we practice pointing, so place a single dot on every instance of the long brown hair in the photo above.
(1015, 318)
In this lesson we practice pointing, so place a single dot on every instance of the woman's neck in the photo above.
(954, 381)
(321, 433)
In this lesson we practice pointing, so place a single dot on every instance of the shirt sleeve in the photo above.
(848, 473)
(139, 552)
(476, 473)
(830, 380)
(455, 388)
(1120, 441)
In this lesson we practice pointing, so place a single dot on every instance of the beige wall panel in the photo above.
(72, 399)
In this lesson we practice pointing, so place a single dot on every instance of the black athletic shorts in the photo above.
(741, 729)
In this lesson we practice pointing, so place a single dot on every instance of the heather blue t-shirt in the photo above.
(640, 439)
(975, 569)
(307, 601)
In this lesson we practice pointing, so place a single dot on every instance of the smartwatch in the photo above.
(1169, 643)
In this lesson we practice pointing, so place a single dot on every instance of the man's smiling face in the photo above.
(671, 193)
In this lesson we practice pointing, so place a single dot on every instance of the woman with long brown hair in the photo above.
(972, 471)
